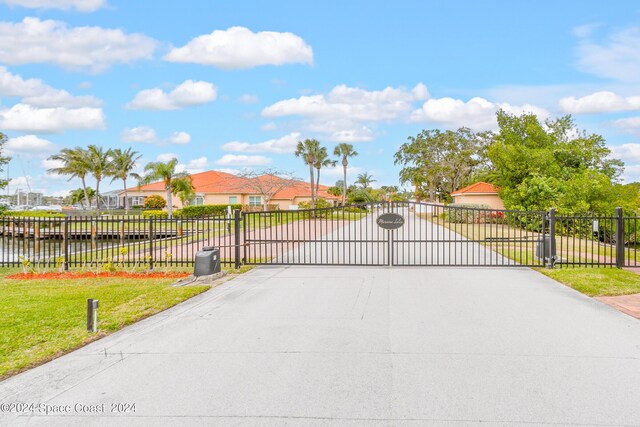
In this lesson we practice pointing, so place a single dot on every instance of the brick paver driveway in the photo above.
(353, 346)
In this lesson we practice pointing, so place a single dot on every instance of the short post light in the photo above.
(92, 315)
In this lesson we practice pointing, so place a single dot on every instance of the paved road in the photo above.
(358, 346)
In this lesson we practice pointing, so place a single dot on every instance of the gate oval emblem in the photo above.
(390, 221)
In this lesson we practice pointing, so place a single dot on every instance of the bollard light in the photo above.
(92, 315)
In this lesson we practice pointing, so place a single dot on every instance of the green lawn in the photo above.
(597, 282)
(43, 319)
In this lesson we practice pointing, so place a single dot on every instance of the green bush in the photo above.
(466, 213)
(155, 202)
(33, 214)
(204, 211)
(154, 214)
(320, 204)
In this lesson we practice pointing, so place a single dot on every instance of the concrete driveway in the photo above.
(354, 346)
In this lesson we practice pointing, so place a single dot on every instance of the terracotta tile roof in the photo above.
(477, 188)
(216, 182)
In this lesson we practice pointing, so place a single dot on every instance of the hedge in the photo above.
(154, 214)
(33, 214)
(204, 211)
(469, 213)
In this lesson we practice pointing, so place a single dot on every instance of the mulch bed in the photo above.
(91, 275)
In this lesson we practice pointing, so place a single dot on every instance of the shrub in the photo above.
(467, 213)
(320, 204)
(154, 214)
(33, 214)
(204, 211)
(155, 202)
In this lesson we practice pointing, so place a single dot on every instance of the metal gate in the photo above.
(430, 234)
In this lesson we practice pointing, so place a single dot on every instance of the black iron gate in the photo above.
(431, 234)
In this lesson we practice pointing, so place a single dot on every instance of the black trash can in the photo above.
(543, 250)
(207, 261)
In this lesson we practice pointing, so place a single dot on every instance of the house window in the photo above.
(233, 200)
(137, 201)
(255, 200)
(197, 201)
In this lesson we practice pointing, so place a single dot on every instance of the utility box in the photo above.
(543, 250)
(207, 261)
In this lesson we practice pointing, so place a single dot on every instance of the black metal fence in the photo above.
(431, 234)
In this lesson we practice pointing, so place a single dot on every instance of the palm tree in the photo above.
(122, 164)
(345, 151)
(364, 179)
(165, 172)
(183, 188)
(322, 161)
(80, 195)
(308, 150)
(99, 164)
(75, 164)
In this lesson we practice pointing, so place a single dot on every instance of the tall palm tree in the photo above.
(78, 196)
(123, 162)
(99, 163)
(365, 180)
(322, 161)
(308, 151)
(345, 151)
(75, 164)
(165, 172)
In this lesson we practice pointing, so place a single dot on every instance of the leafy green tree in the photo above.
(3, 160)
(123, 162)
(322, 160)
(552, 164)
(78, 196)
(308, 150)
(75, 164)
(165, 172)
(344, 151)
(438, 163)
(184, 189)
(365, 180)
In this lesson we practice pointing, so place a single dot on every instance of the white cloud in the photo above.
(342, 130)
(269, 126)
(194, 166)
(616, 58)
(336, 172)
(248, 99)
(142, 134)
(179, 138)
(51, 164)
(29, 145)
(186, 94)
(79, 5)
(599, 102)
(283, 145)
(26, 118)
(626, 152)
(165, 157)
(242, 160)
(35, 92)
(148, 135)
(239, 47)
(629, 125)
(355, 103)
(94, 49)
(477, 113)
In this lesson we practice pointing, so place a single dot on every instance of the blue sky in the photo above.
(233, 85)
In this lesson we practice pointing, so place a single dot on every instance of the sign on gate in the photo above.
(390, 221)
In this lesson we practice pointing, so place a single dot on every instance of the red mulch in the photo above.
(90, 275)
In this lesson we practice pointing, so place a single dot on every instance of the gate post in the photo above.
(65, 242)
(236, 232)
(619, 238)
(552, 238)
(150, 243)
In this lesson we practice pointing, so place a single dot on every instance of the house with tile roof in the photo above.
(481, 193)
(220, 188)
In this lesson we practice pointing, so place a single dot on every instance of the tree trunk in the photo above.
(86, 194)
(344, 181)
(169, 202)
(313, 199)
(317, 182)
(97, 197)
(126, 199)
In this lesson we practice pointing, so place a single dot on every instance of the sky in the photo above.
(234, 85)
